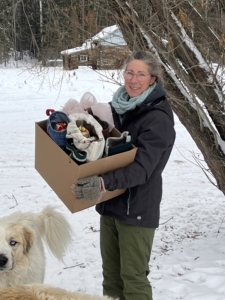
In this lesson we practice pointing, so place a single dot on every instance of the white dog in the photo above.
(43, 292)
(22, 258)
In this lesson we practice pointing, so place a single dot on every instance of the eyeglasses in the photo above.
(141, 76)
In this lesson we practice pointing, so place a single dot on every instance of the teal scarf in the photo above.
(122, 102)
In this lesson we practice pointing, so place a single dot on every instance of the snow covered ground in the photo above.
(188, 257)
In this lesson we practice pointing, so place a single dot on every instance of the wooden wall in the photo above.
(101, 58)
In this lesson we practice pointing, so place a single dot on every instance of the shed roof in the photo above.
(109, 36)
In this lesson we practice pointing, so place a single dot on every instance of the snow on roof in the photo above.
(109, 36)
(105, 32)
(85, 46)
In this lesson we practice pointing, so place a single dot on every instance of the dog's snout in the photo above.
(3, 260)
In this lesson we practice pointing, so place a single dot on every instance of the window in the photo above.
(83, 58)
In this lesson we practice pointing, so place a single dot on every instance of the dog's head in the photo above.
(15, 243)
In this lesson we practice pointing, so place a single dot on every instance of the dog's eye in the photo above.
(13, 243)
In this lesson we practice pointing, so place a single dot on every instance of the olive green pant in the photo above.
(125, 251)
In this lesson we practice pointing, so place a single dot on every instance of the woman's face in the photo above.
(137, 78)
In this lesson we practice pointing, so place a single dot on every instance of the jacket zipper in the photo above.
(128, 204)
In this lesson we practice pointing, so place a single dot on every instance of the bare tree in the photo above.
(190, 44)
(45, 28)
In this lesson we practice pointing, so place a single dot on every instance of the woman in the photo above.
(128, 221)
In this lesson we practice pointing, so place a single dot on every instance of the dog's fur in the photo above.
(22, 258)
(43, 292)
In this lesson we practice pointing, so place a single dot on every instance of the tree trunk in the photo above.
(194, 92)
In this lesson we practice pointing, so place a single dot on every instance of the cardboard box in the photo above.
(60, 171)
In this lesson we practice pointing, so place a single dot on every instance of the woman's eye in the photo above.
(13, 243)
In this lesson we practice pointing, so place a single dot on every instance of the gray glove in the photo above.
(89, 188)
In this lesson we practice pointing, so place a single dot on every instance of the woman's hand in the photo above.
(89, 188)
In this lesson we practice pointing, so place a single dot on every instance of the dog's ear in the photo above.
(28, 239)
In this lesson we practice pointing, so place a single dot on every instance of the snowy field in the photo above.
(188, 257)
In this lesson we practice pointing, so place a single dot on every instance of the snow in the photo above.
(188, 256)
(105, 32)
(88, 44)
(109, 36)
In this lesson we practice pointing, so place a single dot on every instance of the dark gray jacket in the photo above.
(152, 127)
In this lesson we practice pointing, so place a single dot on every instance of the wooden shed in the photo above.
(104, 51)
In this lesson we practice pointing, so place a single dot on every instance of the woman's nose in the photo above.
(134, 78)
